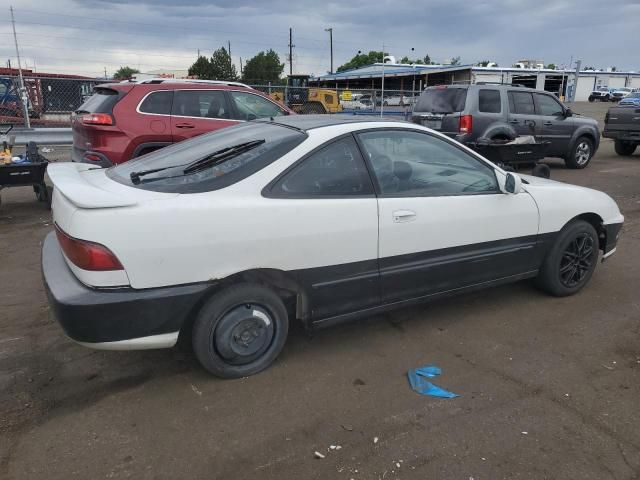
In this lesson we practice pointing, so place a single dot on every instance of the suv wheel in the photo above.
(581, 153)
(591, 99)
(571, 261)
(240, 330)
(624, 149)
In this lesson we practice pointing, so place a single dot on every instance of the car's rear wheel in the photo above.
(581, 153)
(591, 99)
(624, 149)
(571, 261)
(240, 330)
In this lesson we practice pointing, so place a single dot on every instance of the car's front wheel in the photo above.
(240, 330)
(581, 153)
(571, 261)
(624, 149)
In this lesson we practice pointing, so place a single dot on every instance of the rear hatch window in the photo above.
(442, 100)
(211, 161)
(102, 101)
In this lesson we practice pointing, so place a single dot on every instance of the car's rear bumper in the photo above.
(624, 135)
(115, 318)
(79, 155)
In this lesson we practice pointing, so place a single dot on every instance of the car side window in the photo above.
(489, 101)
(158, 103)
(409, 163)
(334, 170)
(201, 103)
(521, 102)
(250, 106)
(548, 105)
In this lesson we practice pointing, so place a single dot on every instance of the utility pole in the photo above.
(240, 66)
(105, 73)
(382, 92)
(23, 90)
(575, 81)
(291, 45)
(330, 30)
(230, 61)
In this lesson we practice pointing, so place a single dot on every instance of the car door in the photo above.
(250, 106)
(522, 113)
(329, 216)
(195, 112)
(556, 128)
(155, 125)
(443, 222)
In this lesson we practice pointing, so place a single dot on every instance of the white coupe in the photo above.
(225, 239)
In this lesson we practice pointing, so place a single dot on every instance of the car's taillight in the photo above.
(87, 255)
(97, 119)
(466, 124)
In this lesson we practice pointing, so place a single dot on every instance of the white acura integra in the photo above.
(228, 237)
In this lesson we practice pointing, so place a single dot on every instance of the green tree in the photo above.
(125, 73)
(221, 66)
(263, 68)
(362, 59)
(427, 59)
(483, 63)
(455, 61)
(406, 59)
(551, 66)
(201, 68)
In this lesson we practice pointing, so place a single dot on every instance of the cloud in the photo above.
(87, 36)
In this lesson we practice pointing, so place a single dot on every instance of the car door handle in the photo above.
(548, 124)
(185, 125)
(400, 216)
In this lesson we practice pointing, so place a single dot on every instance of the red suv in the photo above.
(125, 120)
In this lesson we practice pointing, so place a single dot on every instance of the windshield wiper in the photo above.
(208, 161)
(221, 155)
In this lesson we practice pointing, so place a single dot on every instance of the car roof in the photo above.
(309, 122)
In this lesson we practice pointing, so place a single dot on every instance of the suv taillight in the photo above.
(466, 124)
(87, 255)
(97, 119)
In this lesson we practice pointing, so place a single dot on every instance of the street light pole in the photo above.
(330, 30)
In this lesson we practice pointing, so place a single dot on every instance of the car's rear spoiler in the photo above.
(69, 181)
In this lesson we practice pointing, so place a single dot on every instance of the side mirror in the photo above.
(512, 184)
(568, 113)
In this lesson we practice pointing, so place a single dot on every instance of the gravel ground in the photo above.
(549, 387)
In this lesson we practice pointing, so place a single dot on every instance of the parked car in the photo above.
(397, 100)
(632, 99)
(504, 112)
(622, 125)
(226, 238)
(360, 104)
(619, 93)
(601, 93)
(121, 121)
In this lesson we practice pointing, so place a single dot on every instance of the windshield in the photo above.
(603, 89)
(210, 161)
(442, 100)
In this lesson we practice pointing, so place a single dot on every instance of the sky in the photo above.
(88, 36)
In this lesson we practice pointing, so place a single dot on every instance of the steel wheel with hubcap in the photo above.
(581, 153)
(240, 330)
(571, 260)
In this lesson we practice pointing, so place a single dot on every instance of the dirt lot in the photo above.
(549, 387)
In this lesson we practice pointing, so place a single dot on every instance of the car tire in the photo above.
(606, 98)
(386, 104)
(240, 330)
(571, 261)
(591, 99)
(541, 170)
(581, 153)
(624, 149)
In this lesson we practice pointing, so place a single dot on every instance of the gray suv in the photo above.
(504, 112)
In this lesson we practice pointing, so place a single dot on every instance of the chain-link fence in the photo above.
(52, 100)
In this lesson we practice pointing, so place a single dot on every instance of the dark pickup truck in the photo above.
(622, 124)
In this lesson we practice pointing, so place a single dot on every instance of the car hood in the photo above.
(562, 200)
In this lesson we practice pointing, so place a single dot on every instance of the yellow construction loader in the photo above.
(303, 99)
